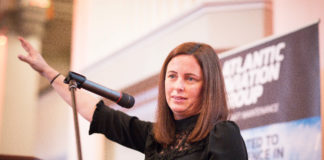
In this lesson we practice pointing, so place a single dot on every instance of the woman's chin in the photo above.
(178, 107)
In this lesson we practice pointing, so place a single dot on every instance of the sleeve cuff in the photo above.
(94, 127)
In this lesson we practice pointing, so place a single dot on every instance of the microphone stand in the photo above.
(76, 80)
(72, 87)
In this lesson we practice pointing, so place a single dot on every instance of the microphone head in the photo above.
(126, 101)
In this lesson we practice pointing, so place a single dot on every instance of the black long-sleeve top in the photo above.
(224, 141)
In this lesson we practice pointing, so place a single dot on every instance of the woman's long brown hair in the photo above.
(213, 97)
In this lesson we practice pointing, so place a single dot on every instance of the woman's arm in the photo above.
(119, 127)
(85, 102)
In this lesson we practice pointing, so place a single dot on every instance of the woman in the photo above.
(192, 110)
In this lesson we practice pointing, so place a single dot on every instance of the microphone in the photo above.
(120, 98)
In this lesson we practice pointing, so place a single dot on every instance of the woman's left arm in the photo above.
(226, 142)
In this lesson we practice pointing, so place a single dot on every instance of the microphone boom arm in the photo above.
(120, 98)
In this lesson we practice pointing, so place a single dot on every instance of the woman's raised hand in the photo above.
(33, 58)
(85, 104)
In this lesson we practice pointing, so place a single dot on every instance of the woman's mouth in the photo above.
(178, 99)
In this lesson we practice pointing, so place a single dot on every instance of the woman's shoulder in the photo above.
(226, 142)
(225, 129)
(226, 124)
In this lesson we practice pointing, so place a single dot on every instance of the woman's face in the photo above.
(183, 83)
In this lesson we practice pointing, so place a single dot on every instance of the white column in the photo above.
(20, 101)
(3, 58)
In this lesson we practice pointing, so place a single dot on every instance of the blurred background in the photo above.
(120, 44)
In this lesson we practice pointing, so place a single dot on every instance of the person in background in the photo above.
(192, 114)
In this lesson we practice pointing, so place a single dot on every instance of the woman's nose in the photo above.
(180, 85)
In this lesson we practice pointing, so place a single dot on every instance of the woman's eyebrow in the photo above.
(171, 71)
(192, 74)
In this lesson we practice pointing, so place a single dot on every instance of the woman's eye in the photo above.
(171, 76)
(190, 79)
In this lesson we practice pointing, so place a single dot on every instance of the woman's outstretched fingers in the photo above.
(27, 46)
(33, 58)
